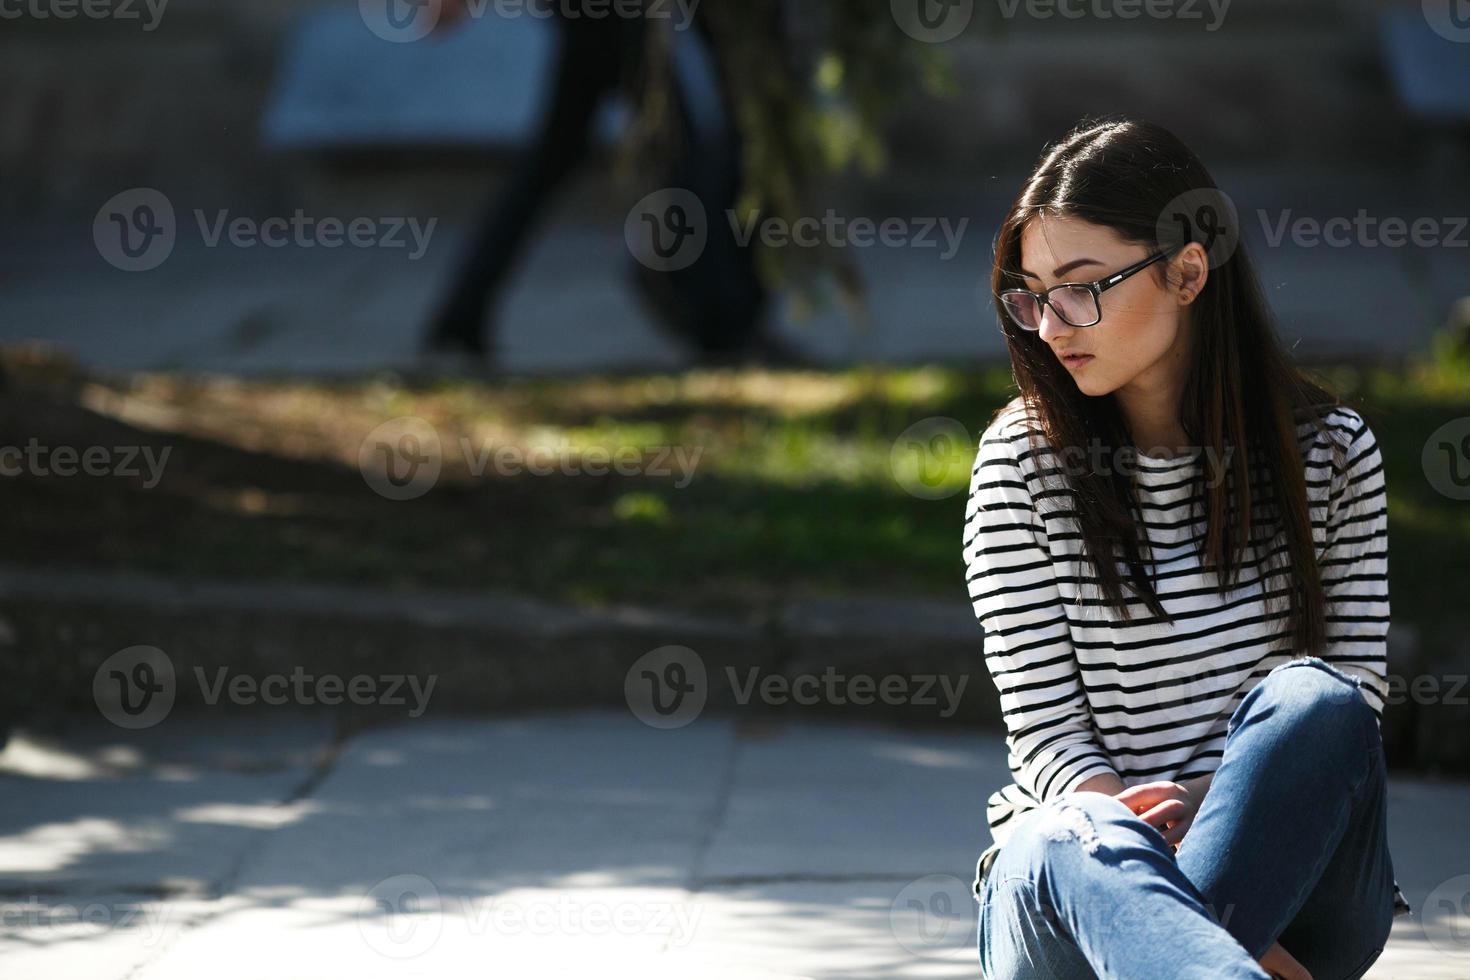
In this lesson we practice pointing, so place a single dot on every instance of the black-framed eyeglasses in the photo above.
(1075, 303)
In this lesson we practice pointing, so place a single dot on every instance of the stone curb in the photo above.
(488, 651)
(498, 651)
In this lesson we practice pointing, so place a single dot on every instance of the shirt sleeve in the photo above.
(1354, 569)
(1028, 646)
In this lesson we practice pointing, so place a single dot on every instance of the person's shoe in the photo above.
(450, 355)
(764, 348)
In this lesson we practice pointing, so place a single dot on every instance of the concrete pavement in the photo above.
(543, 845)
(1340, 290)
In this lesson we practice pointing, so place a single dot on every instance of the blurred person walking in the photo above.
(717, 304)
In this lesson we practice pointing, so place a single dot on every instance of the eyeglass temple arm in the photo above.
(1119, 276)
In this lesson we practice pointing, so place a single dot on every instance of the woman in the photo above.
(1177, 546)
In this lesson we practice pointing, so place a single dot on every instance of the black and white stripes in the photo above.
(1083, 691)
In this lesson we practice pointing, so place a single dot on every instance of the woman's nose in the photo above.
(1052, 326)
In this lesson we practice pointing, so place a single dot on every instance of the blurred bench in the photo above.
(1431, 77)
(341, 89)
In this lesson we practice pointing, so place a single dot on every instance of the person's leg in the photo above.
(1290, 843)
(1085, 888)
(589, 64)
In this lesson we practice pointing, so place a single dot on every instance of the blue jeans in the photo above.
(1289, 845)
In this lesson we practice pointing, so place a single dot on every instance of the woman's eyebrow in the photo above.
(1062, 270)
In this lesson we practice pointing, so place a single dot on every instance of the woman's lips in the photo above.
(1076, 360)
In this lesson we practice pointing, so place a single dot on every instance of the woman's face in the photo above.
(1140, 340)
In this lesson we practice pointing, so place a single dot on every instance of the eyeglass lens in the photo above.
(1074, 304)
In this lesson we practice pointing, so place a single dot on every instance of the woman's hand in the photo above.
(1167, 807)
(1279, 963)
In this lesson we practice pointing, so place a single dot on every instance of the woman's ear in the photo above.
(1193, 266)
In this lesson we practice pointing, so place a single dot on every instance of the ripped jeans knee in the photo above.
(1071, 821)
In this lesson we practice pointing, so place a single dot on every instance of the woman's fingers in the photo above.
(1279, 963)
(1170, 818)
(1147, 794)
(1164, 812)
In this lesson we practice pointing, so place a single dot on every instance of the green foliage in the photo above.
(812, 96)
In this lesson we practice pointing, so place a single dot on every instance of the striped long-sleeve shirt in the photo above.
(1083, 691)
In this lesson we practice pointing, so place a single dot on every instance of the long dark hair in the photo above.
(1123, 174)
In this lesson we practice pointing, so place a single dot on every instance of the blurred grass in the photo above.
(794, 488)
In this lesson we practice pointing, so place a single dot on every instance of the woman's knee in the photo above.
(1310, 695)
(1087, 822)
